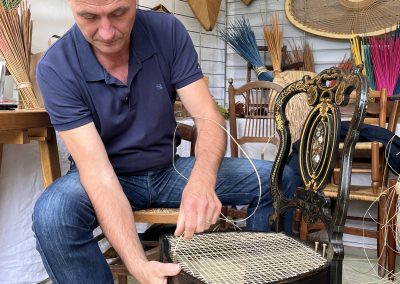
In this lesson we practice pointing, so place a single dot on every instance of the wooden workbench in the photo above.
(23, 126)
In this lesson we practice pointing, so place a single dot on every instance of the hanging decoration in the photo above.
(206, 11)
(241, 38)
(344, 18)
(247, 2)
(161, 8)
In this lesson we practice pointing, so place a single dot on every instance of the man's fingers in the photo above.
(191, 216)
(169, 269)
(217, 211)
(180, 224)
(210, 215)
(202, 216)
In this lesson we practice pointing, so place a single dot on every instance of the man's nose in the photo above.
(106, 30)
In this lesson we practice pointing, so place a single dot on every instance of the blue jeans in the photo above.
(64, 219)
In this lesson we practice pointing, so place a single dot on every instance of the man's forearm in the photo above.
(210, 147)
(115, 217)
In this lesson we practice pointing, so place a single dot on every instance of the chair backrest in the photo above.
(381, 111)
(251, 104)
(319, 144)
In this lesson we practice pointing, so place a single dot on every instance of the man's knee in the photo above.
(48, 213)
(57, 209)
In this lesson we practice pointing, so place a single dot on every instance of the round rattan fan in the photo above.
(344, 18)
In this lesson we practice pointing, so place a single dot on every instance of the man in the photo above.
(109, 85)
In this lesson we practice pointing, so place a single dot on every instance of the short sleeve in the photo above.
(62, 98)
(185, 66)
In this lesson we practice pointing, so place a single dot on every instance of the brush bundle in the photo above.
(385, 53)
(241, 38)
(274, 40)
(381, 57)
(301, 53)
(15, 47)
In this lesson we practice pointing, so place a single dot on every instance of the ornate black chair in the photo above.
(254, 257)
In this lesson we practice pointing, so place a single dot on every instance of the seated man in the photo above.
(109, 85)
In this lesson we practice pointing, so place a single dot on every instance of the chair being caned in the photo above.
(257, 257)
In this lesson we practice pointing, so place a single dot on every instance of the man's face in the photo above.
(106, 24)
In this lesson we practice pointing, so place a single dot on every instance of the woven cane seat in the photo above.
(357, 192)
(242, 257)
(157, 215)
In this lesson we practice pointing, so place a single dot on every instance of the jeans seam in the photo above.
(149, 190)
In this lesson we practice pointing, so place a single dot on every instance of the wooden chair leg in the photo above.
(122, 279)
(382, 248)
(303, 230)
(376, 174)
(296, 223)
(392, 231)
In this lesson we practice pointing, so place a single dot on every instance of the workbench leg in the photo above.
(49, 158)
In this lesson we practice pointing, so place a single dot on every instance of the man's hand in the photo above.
(154, 272)
(199, 210)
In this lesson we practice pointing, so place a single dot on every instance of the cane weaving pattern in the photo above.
(244, 257)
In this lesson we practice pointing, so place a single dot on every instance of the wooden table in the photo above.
(23, 126)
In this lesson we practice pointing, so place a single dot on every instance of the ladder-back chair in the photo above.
(258, 257)
(251, 104)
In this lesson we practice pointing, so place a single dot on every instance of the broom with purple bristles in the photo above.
(241, 38)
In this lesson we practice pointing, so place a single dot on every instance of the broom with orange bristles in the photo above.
(274, 41)
(15, 47)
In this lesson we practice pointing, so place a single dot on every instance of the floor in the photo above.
(359, 268)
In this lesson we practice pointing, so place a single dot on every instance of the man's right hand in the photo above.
(154, 272)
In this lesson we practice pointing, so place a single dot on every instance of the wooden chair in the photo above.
(153, 215)
(251, 103)
(269, 257)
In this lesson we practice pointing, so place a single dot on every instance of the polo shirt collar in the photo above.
(141, 49)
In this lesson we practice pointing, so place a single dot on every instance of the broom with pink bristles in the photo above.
(385, 55)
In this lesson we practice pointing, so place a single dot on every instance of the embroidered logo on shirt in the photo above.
(159, 86)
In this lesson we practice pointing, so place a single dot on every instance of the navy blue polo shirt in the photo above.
(135, 120)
